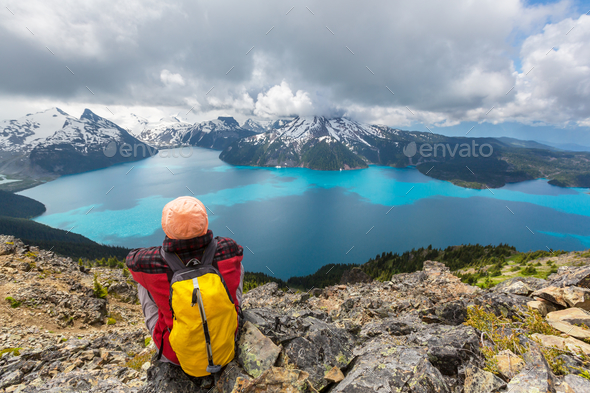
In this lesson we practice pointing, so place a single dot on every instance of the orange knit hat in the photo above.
(184, 218)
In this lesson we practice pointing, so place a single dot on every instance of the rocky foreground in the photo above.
(62, 330)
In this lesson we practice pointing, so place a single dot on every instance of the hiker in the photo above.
(192, 315)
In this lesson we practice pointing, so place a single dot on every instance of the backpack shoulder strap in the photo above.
(176, 263)
(172, 260)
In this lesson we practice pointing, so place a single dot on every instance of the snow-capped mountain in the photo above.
(23, 134)
(253, 125)
(164, 132)
(301, 130)
(264, 126)
(53, 143)
(315, 142)
(214, 134)
(321, 143)
(276, 124)
(133, 123)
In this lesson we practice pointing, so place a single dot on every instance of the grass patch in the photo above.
(111, 321)
(503, 333)
(496, 330)
(100, 292)
(140, 360)
(529, 271)
(13, 302)
(14, 351)
(147, 341)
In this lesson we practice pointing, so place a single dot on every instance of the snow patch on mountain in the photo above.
(254, 126)
(301, 130)
(23, 134)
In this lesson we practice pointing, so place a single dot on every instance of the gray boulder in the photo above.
(256, 352)
(399, 326)
(577, 384)
(448, 347)
(322, 347)
(384, 367)
(568, 276)
(536, 376)
(502, 304)
(520, 285)
(480, 381)
(166, 377)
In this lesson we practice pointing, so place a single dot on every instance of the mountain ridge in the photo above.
(346, 144)
(45, 145)
(42, 146)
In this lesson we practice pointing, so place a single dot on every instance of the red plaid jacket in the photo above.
(150, 270)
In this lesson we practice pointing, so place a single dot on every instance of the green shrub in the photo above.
(14, 351)
(495, 273)
(99, 291)
(535, 323)
(469, 278)
(13, 302)
(555, 362)
(550, 272)
(584, 374)
(495, 329)
(111, 321)
(487, 283)
(529, 271)
(140, 360)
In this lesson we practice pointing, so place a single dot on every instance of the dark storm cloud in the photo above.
(440, 58)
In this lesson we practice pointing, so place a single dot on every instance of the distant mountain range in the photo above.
(544, 144)
(213, 134)
(42, 146)
(340, 143)
(567, 146)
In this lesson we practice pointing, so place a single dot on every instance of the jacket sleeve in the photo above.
(152, 275)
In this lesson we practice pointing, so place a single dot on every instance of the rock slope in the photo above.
(414, 333)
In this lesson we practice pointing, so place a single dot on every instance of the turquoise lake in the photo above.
(291, 221)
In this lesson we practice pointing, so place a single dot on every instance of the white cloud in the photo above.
(557, 89)
(243, 103)
(447, 61)
(279, 101)
(84, 29)
(169, 78)
(398, 116)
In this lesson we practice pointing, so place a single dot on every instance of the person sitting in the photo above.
(186, 225)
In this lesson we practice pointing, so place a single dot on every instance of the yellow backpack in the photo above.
(205, 319)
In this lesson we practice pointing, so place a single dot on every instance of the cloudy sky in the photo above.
(508, 67)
